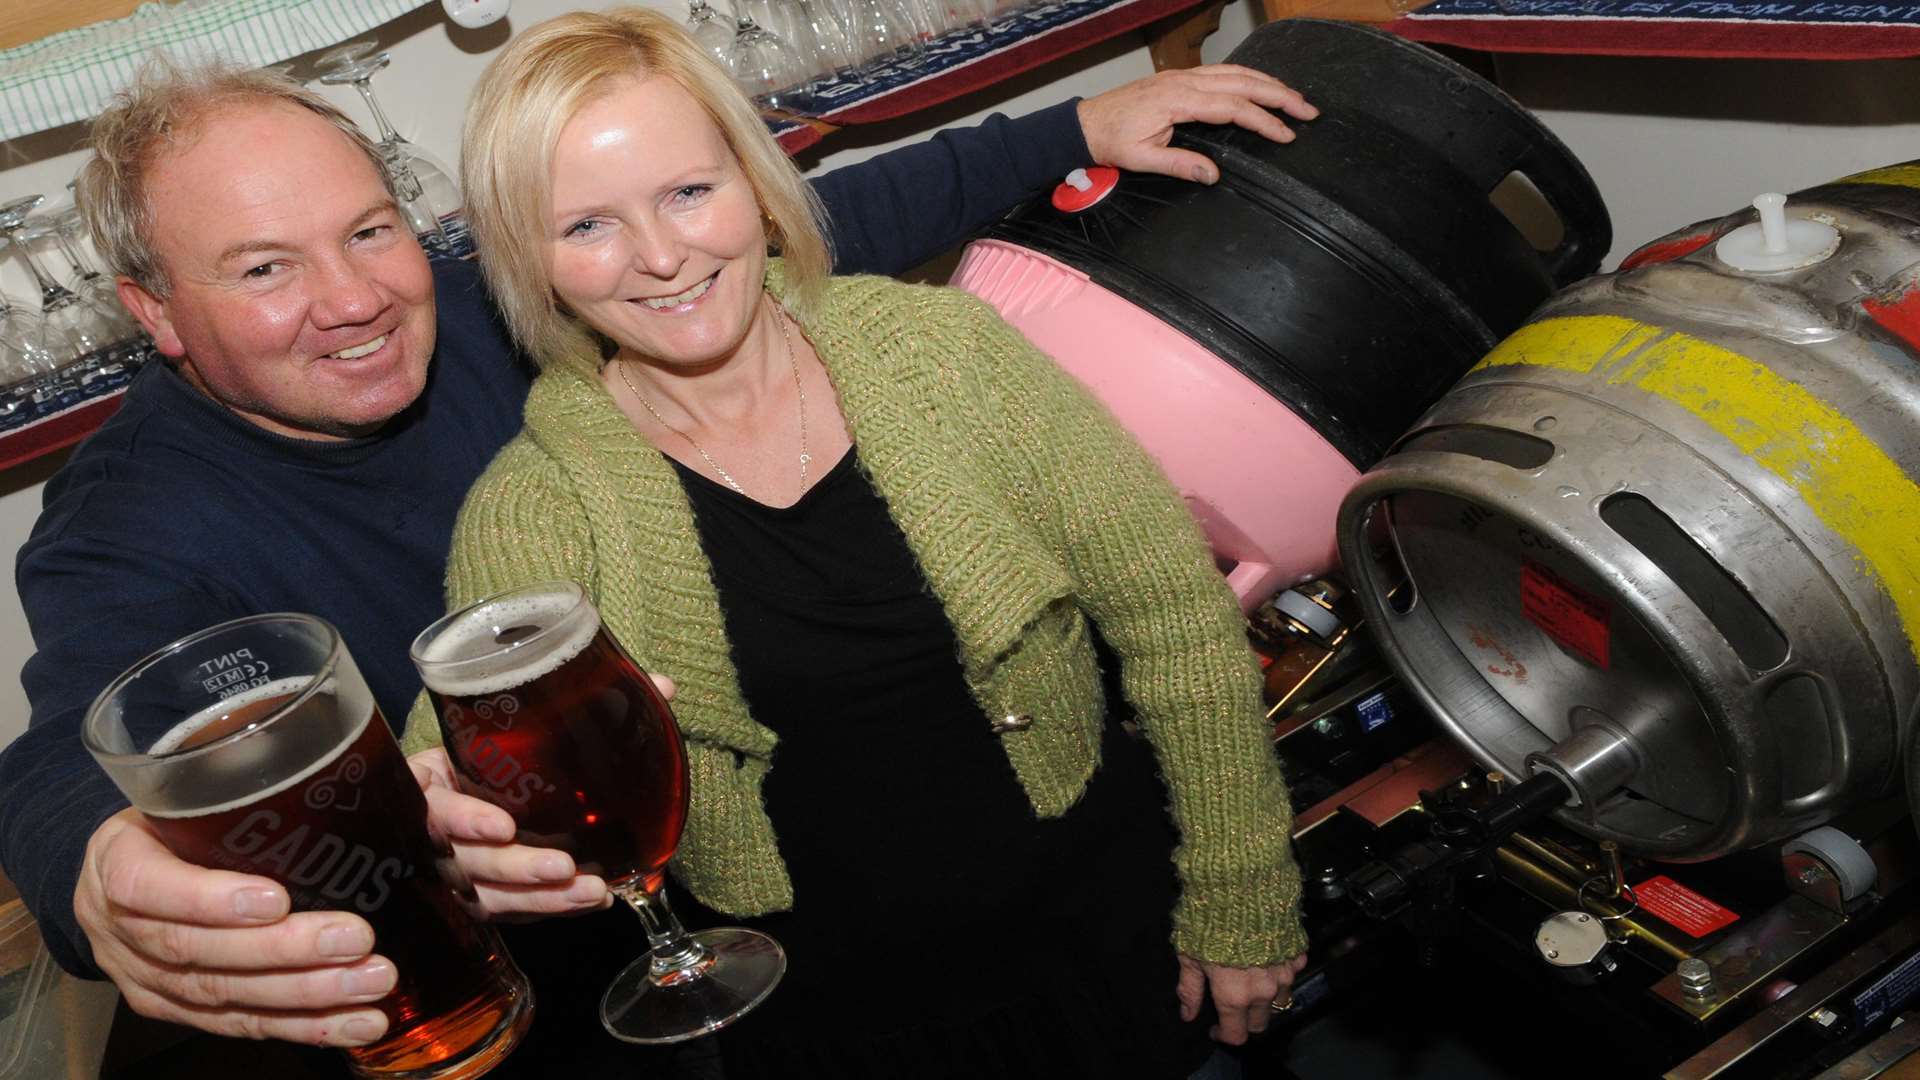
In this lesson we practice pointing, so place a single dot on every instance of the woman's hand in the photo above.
(513, 881)
(1243, 997)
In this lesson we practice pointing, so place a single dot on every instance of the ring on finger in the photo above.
(1282, 1001)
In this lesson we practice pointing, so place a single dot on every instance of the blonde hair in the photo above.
(529, 93)
(165, 107)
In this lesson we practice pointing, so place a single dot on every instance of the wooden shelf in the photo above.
(1363, 11)
(965, 61)
(24, 21)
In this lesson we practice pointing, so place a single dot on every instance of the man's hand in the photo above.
(1130, 127)
(1243, 997)
(219, 951)
(222, 951)
(511, 880)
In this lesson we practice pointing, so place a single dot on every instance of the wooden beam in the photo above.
(1174, 42)
(22, 21)
(1365, 11)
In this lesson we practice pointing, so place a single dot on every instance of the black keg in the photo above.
(1358, 271)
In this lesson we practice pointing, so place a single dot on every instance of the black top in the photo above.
(939, 927)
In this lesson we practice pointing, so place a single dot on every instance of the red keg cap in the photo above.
(1084, 187)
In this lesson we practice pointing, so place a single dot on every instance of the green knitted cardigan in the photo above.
(1029, 511)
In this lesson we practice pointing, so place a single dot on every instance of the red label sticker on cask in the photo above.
(1667, 250)
(1899, 313)
(1680, 906)
(1572, 617)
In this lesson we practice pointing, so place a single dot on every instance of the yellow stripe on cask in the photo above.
(1907, 175)
(1848, 481)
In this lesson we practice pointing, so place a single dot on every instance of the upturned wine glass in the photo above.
(711, 30)
(69, 327)
(769, 69)
(425, 189)
(284, 69)
(928, 17)
(777, 17)
(346, 53)
(23, 353)
(881, 30)
(65, 228)
(824, 36)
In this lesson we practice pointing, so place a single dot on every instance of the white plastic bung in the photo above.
(1777, 242)
(1078, 180)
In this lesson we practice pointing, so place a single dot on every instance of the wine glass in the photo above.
(881, 30)
(823, 35)
(768, 68)
(781, 19)
(69, 328)
(711, 30)
(428, 196)
(65, 228)
(24, 358)
(965, 13)
(347, 53)
(18, 360)
(547, 717)
(929, 19)
(1001, 13)
(285, 70)
(23, 351)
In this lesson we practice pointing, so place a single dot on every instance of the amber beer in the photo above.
(296, 777)
(546, 716)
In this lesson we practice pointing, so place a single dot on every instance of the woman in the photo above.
(865, 528)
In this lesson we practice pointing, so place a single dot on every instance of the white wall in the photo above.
(1669, 142)
(19, 505)
(1675, 141)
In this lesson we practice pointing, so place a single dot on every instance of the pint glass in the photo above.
(255, 746)
(547, 717)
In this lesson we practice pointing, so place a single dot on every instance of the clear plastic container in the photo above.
(52, 1025)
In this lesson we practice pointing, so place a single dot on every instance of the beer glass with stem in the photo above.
(547, 717)
(255, 746)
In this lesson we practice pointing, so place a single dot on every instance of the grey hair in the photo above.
(165, 107)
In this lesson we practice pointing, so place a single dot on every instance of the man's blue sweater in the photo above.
(178, 514)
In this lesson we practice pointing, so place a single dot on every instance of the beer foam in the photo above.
(247, 754)
(466, 659)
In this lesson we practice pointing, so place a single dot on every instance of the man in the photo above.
(328, 399)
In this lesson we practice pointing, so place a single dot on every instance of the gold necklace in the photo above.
(786, 338)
